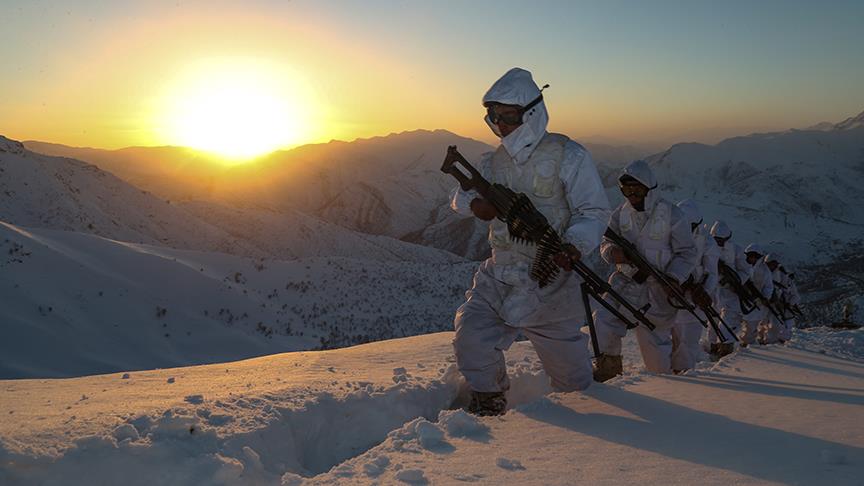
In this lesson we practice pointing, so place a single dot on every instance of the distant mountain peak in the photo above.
(820, 127)
(851, 122)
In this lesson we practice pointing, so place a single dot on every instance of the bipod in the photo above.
(597, 286)
(592, 331)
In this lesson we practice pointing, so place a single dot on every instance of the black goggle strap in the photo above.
(535, 100)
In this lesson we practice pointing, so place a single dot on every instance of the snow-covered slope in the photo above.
(75, 304)
(795, 191)
(851, 123)
(66, 194)
(62, 193)
(291, 234)
(175, 173)
(388, 186)
(383, 413)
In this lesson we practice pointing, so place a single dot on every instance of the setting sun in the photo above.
(238, 110)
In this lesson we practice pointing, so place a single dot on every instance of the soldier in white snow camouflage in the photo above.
(560, 178)
(732, 255)
(662, 235)
(687, 331)
(763, 286)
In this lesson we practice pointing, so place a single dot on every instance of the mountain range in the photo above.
(344, 242)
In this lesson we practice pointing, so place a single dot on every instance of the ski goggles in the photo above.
(509, 114)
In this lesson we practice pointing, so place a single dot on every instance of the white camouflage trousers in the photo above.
(482, 336)
(751, 323)
(774, 331)
(730, 311)
(656, 345)
(686, 334)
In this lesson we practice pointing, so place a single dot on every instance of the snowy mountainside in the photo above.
(62, 193)
(76, 304)
(175, 173)
(305, 177)
(290, 234)
(794, 191)
(388, 186)
(388, 413)
(851, 123)
(66, 194)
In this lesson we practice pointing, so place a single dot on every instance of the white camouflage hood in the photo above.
(641, 171)
(754, 248)
(721, 230)
(517, 87)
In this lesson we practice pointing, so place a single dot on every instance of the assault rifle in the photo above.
(645, 269)
(528, 225)
(730, 278)
(796, 310)
(754, 292)
(784, 304)
(710, 312)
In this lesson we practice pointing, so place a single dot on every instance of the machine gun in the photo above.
(676, 297)
(730, 278)
(524, 222)
(528, 225)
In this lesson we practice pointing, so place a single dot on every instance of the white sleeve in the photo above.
(709, 263)
(794, 298)
(589, 206)
(744, 269)
(606, 245)
(684, 253)
(767, 281)
(460, 201)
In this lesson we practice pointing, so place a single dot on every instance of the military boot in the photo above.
(726, 348)
(487, 403)
(607, 367)
(714, 351)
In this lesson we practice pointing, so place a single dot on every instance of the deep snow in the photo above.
(383, 413)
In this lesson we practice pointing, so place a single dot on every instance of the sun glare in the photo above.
(237, 110)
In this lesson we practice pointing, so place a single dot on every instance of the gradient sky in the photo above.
(104, 73)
